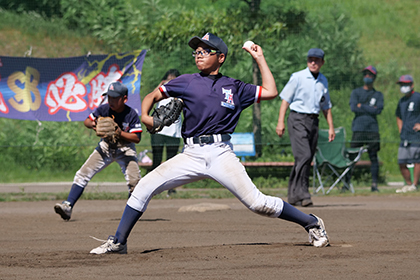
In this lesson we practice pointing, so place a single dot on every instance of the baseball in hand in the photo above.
(248, 44)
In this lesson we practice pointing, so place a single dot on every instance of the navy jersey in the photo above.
(372, 104)
(128, 120)
(212, 104)
(408, 110)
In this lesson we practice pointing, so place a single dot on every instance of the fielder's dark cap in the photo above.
(316, 53)
(210, 40)
(116, 89)
(405, 79)
(371, 69)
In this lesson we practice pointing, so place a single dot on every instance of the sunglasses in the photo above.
(205, 52)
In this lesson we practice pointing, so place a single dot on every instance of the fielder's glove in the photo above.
(108, 129)
(166, 115)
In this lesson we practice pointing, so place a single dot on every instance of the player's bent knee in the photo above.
(145, 189)
(133, 182)
(265, 210)
(139, 200)
(81, 179)
(267, 206)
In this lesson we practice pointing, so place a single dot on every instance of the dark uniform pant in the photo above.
(303, 133)
(373, 142)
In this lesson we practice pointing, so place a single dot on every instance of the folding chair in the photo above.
(334, 160)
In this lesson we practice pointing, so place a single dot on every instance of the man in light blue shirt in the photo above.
(306, 93)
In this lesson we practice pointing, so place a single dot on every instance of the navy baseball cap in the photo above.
(405, 79)
(210, 40)
(371, 69)
(116, 89)
(316, 53)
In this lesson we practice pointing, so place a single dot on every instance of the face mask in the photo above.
(368, 80)
(405, 89)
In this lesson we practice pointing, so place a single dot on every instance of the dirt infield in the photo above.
(372, 237)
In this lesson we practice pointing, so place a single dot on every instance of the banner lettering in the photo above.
(65, 89)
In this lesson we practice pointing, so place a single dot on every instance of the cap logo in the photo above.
(111, 87)
(371, 69)
(206, 37)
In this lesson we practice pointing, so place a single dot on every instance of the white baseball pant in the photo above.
(97, 161)
(216, 161)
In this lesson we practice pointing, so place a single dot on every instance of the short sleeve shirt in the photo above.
(305, 94)
(408, 110)
(212, 104)
(128, 120)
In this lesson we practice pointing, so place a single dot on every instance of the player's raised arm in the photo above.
(269, 88)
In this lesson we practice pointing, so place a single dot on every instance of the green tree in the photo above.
(285, 33)
(254, 15)
(44, 8)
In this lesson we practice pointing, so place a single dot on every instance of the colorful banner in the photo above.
(65, 89)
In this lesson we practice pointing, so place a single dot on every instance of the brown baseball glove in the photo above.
(108, 129)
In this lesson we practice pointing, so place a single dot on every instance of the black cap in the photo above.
(116, 89)
(210, 40)
(316, 53)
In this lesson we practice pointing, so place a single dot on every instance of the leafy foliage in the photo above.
(107, 20)
(283, 30)
(44, 8)
(50, 145)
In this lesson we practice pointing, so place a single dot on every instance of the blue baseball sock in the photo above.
(75, 193)
(292, 214)
(128, 220)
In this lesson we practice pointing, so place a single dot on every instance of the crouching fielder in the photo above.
(212, 106)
